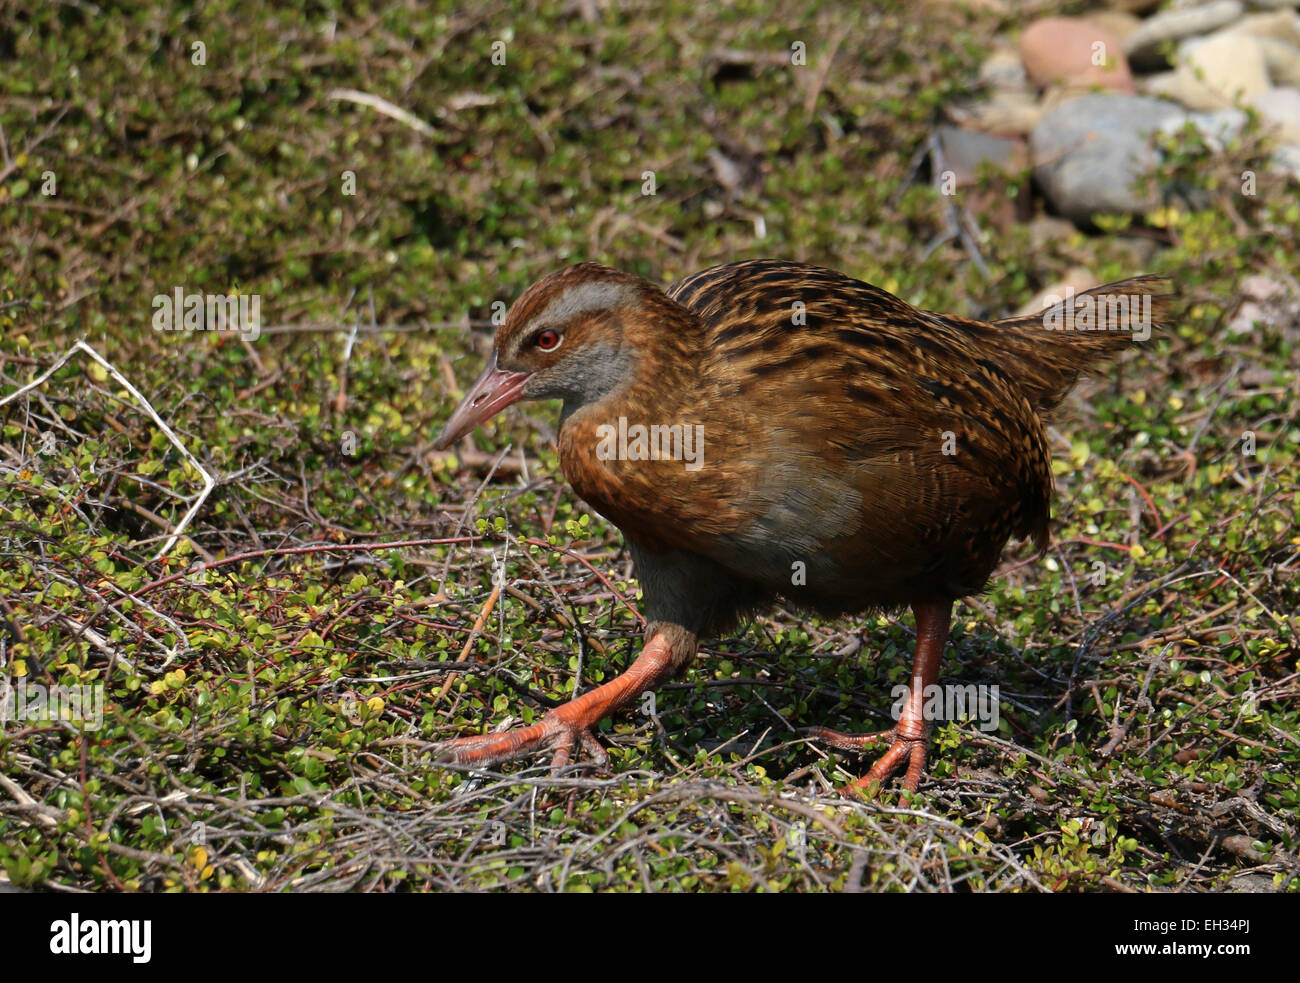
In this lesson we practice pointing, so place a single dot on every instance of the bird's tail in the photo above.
(1046, 352)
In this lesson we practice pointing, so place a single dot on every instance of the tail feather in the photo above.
(1046, 352)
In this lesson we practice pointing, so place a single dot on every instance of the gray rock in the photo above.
(1222, 127)
(1089, 153)
(1282, 25)
(1280, 111)
(1252, 883)
(1174, 25)
(1002, 70)
(1218, 128)
(964, 151)
(1286, 158)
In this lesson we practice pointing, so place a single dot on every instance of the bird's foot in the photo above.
(907, 738)
(569, 727)
(560, 732)
(909, 747)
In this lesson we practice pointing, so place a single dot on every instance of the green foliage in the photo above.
(268, 717)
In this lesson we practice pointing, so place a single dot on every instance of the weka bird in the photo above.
(857, 454)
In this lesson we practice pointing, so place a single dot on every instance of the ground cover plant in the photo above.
(345, 597)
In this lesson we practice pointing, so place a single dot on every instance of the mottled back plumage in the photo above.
(858, 451)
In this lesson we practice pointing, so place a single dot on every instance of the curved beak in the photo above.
(492, 392)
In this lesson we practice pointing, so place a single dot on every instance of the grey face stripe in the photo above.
(597, 295)
(594, 295)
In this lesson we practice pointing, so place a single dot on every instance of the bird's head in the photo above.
(562, 339)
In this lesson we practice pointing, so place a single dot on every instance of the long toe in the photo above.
(848, 742)
(552, 733)
(909, 749)
(486, 750)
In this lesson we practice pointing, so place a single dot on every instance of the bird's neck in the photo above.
(606, 371)
(654, 370)
(637, 455)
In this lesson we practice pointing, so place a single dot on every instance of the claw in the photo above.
(551, 733)
(901, 747)
(592, 748)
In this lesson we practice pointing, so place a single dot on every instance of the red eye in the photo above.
(548, 340)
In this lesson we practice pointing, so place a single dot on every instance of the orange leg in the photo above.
(908, 737)
(570, 725)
